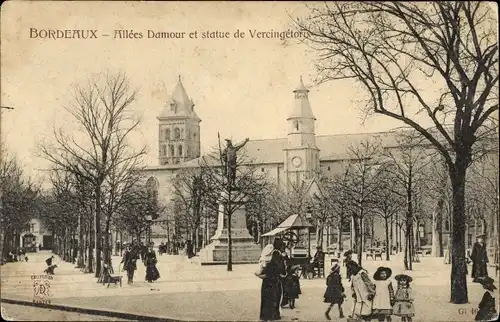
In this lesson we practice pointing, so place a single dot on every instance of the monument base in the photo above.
(244, 249)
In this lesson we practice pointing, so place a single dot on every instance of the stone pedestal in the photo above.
(244, 248)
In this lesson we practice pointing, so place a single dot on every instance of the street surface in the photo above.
(188, 291)
(12, 312)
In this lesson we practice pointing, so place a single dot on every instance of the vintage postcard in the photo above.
(249, 161)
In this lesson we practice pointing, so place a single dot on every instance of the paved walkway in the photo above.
(189, 291)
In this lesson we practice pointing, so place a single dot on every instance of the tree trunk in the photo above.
(391, 240)
(387, 247)
(229, 245)
(98, 230)
(458, 265)
(91, 246)
(339, 236)
(359, 241)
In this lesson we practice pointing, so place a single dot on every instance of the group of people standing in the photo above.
(373, 298)
(134, 252)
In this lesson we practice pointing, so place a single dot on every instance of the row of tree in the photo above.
(96, 175)
(19, 202)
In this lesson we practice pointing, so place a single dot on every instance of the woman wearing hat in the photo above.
(271, 289)
(479, 259)
(384, 296)
(150, 261)
(334, 293)
(403, 306)
(487, 307)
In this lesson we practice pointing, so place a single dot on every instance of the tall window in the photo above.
(172, 152)
(32, 228)
(296, 125)
(179, 149)
(177, 133)
(167, 134)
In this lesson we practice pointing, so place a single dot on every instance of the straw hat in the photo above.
(381, 269)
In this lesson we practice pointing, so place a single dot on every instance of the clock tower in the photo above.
(301, 153)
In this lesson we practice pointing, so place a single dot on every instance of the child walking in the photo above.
(403, 306)
(384, 294)
(334, 293)
(291, 286)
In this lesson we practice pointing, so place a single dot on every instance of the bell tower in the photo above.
(301, 153)
(179, 129)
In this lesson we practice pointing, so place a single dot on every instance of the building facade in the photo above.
(300, 157)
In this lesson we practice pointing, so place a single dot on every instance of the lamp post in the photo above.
(308, 217)
(149, 219)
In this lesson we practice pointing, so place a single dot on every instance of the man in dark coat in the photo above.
(479, 259)
(129, 263)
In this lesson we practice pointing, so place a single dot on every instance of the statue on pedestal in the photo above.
(229, 156)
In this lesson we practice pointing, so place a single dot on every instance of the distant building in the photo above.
(35, 235)
(297, 158)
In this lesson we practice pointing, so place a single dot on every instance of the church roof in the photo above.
(179, 104)
(332, 147)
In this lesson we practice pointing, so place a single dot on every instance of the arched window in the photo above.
(172, 152)
(188, 152)
(446, 224)
(163, 150)
(296, 125)
(177, 133)
(179, 150)
(167, 134)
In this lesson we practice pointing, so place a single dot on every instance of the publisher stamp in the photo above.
(41, 288)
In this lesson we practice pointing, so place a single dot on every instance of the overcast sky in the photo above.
(241, 87)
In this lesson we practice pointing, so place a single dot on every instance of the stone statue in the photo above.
(229, 156)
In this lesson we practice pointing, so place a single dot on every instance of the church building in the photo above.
(297, 158)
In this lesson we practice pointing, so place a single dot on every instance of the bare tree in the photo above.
(388, 48)
(361, 187)
(19, 196)
(386, 203)
(189, 191)
(408, 163)
(102, 109)
(231, 192)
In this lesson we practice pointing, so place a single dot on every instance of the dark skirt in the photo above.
(152, 273)
(479, 270)
(270, 299)
(333, 295)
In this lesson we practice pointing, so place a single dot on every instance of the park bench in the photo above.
(106, 276)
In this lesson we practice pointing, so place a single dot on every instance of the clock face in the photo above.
(296, 161)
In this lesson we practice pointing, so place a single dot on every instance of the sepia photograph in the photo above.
(249, 161)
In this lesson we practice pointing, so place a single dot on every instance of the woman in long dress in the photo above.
(363, 291)
(150, 261)
(271, 290)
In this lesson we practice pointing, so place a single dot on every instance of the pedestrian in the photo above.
(363, 291)
(48, 261)
(189, 249)
(335, 292)
(150, 261)
(384, 294)
(403, 304)
(487, 307)
(479, 259)
(271, 289)
(347, 259)
(129, 263)
(291, 286)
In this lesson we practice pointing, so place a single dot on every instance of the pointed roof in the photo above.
(301, 107)
(179, 104)
(301, 87)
